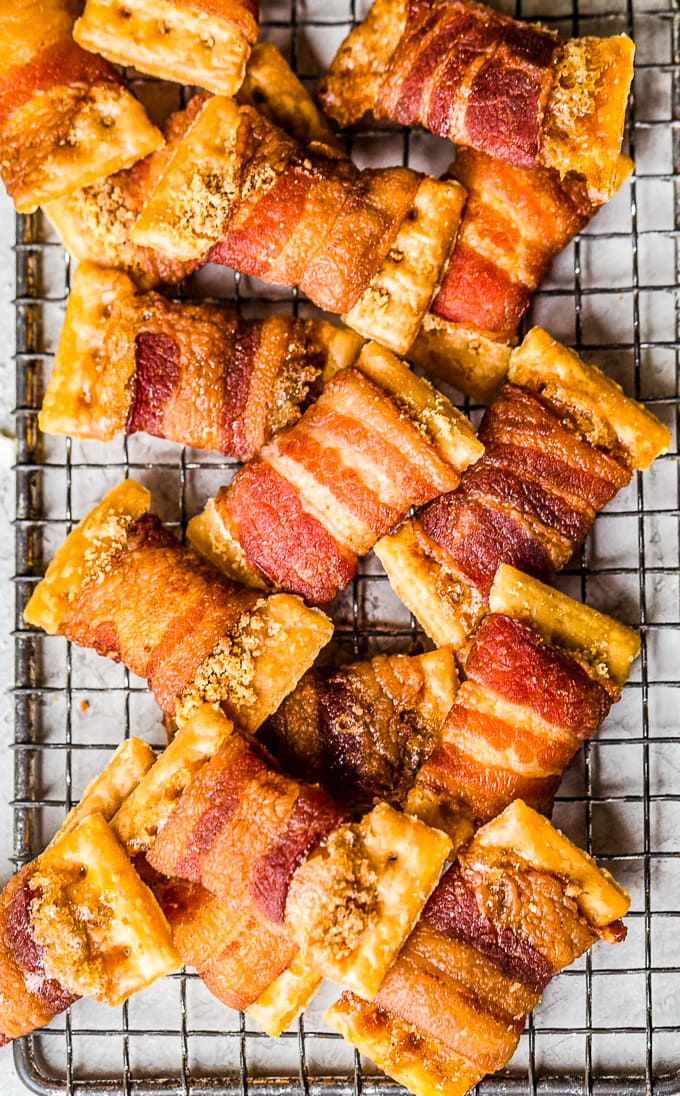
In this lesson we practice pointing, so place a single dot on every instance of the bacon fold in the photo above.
(123, 584)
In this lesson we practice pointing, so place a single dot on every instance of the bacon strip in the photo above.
(514, 223)
(312, 219)
(472, 75)
(363, 730)
(324, 491)
(238, 834)
(515, 724)
(207, 378)
(531, 498)
(157, 607)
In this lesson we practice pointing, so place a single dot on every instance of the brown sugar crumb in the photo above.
(300, 370)
(109, 540)
(229, 670)
(72, 933)
(333, 897)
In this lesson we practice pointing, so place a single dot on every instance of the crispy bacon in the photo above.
(235, 953)
(158, 371)
(514, 223)
(323, 492)
(311, 219)
(361, 731)
(283, 539)
(531, 498)
(242, 829)
(208, 378)
(157, 607)
(515, 724)
(510, 659)
(484, 80)
(354, 245)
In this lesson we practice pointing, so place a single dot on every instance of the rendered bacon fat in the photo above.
(363, 731)
(482, 79)
(194, 373)
(66, 118)
(321, 493)
(124, 585)
(519, 904)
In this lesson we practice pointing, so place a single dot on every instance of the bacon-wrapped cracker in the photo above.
(520, 903)
(30, 998)
(320, 494)
(515, 221)
(277, 855)
(66, 117)
(201, 42)
(536, 687)
(363, 731)
(77, 921)
(354, 901)
(560, 440)
(482, 79)
(96, 221)
(123, 584)
(242, 192)
(240, 959)
(193, 373)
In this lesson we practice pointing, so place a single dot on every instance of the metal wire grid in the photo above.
(612, 1023)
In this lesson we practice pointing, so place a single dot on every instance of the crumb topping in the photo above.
(71, 923)
(228, 673)
(333, 896)
(102, 547)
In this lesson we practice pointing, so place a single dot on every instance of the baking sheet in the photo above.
(613, 296)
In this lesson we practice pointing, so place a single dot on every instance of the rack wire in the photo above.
(611, 1024)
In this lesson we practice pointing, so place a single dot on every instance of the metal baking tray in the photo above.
(611, 1024)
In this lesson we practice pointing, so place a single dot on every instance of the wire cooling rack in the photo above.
(609, 1025)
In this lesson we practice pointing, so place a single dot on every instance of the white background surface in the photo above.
(603, 264)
